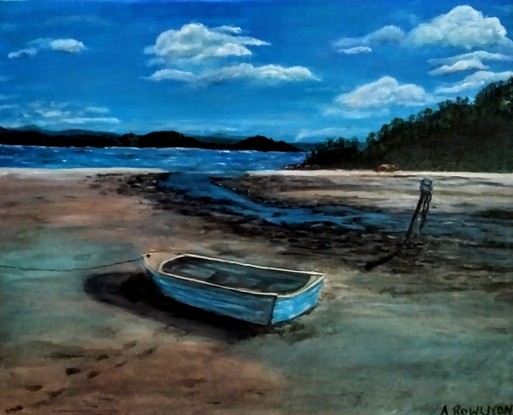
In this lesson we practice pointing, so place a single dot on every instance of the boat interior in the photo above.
(234, 275)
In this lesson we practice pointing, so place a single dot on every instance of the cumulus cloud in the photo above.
(477, 80)
(355, 114)
(195, 42)
(66, 45)
(56, 115)
(269, 72)
(90, 120)
(463, 26)
(60, 45)
(467, 62)
(52, 113)
(172, 75)
(97, 110)
(241, 71)
(196, 54)
(386, 91)
(481, 55)
(22, 53)
(459, 66)
(356, 50)
(387, 34)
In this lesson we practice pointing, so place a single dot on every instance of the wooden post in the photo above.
(426, 187)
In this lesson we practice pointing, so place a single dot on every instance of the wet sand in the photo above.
(401, 330)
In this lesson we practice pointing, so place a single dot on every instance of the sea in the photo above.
(186, 160)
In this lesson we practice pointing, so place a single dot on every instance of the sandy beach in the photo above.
(398, 330)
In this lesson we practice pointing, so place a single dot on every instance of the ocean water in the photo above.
(223, 162)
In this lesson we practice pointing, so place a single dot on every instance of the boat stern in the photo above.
(291, 306)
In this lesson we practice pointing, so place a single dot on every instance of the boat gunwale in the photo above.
(315, 277)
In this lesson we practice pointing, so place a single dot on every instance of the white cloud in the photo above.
(241, 71)
(463, 27)
(90, 120)
(66, 45)
(385, 91)
(22, 53)
(195, 53)
(195, 42)
(97, 110)
(230, 29)
(459, 66)
(59, 45)
(475, 81)
(387, 34)
(172, 75)
(482, 55)
(356, 50)
(55, 115)
(270, 72)
(52, 113)
(354, 113)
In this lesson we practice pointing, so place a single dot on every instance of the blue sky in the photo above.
(289, 69)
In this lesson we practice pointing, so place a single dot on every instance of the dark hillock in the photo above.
(157, 139)
(262, 143)
(458, 135)
(166, 139)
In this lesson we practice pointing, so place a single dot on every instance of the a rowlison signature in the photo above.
(500, 409)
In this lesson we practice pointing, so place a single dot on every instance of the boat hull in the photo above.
(249, 307)
(287, 308)
(264, 308)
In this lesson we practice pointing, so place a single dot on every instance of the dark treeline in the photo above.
(459, 135)
(158, 139)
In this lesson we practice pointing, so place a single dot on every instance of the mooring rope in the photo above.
(111, 264)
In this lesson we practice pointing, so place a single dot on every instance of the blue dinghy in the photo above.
(252, 293)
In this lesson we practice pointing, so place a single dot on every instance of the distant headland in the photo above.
(32, 136)
(459, 135)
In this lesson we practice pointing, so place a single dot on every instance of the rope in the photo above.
(70, 269)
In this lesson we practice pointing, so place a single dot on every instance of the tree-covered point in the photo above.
(459, 135)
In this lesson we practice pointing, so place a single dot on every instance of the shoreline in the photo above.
(397, 173)
(72, 173)
(278, 172)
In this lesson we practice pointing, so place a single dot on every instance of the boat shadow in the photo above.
(137, 293)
